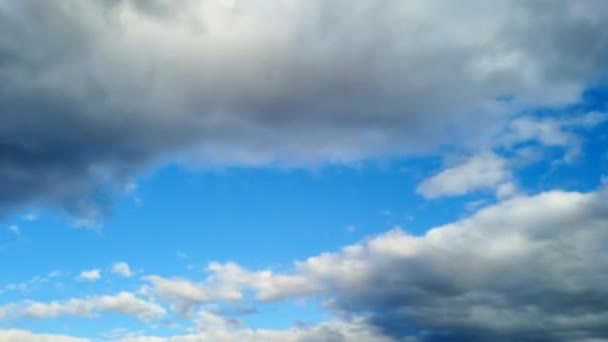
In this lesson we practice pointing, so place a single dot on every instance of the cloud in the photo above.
(531, 267)
(525, 138)
(184, 295)
(119, 86)
(228, 281)
(124, 303)
(526, 268)
(483, 172)
(224, 332)
(33, 283)
(90, 275)
(552, 131)
(122, 269)
(14, 229)
(15, 335)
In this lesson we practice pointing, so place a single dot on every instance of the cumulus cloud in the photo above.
(482, 172)
(527, 268)
(184, 295)
(223, 332)
(268, 285)
(92, 92)
(124, 303)
(15, 335)
(228, 282)
(122, 269)
(90, 275)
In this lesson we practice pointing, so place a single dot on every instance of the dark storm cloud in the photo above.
(92, 92)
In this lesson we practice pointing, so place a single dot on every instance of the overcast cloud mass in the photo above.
(94, 94)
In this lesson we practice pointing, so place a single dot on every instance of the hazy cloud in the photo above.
(90, 275)
(122, 269)
(15, 335)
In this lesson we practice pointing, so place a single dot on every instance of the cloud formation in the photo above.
(184, 295)
(526, 268)
(483, 172)
(92, 92)
(327, 332)
(122, 269)
(15, 335)
(124, 303)
(90, 275)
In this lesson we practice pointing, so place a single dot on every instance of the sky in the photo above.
(303, 170)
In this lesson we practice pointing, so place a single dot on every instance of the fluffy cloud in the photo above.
(268, 285)
(482, 172)
(15, 335)
(527, 268)
(227, 282)
(90, 275)
(91, 92)
(330, 332)
(122, 269)
(123, 303)
(184, 295)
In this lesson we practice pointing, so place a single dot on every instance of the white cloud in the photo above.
(122, 269)
(31, 217)
(519, 268)
(351, 228)
(181, 255)
(124, 303)
(15, 335)
(223, 331)
(482, 172)
(551, 131)
(489, 171)
(269, 286)
(90, 275)
(14, 229)
(31, 284)
(528, 266)
(184, 295)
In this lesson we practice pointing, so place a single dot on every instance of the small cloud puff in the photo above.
(122, 269)
(90, 275)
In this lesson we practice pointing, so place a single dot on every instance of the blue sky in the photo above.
(296, 171)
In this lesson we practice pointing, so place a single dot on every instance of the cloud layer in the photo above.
(530, 268)
(93, 92)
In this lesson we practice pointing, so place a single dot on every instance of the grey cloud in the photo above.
(93, 92)
(531, 268)
(527, 269)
